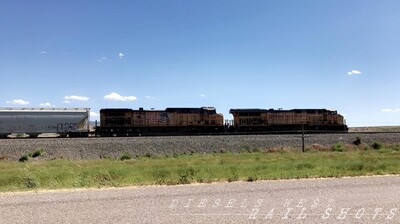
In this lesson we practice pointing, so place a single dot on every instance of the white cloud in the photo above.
(391, 110)
(354, 72)
(43, 52)
(116, 97)
(18, 102)
(80, 98)
(149, 97)
(202, 95)
(120, 55)
(67, 101)
(94, 114)
(46, 105)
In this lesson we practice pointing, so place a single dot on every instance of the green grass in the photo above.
(198, 168)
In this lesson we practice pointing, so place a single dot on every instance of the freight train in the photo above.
(74, 122)
(205, 120)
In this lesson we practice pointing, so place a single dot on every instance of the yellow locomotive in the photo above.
(262, 120)
(206, 120)
(171, 121)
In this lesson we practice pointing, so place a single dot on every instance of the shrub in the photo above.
(148, 155)
(125, 156)
(24, 158)
(338, 147)
(357, 141)
(252, 178)
(37, 153)
(377, 145)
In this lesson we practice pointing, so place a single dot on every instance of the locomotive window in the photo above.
(115, 121)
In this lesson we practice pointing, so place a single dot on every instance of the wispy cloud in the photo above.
(391, 110)
(102, 59)
(73, 97)
(18, 102)
(202, 95)
(67, 102)
(43, 52)
(121, 55)
(46, 105)
(149, 97)
(117, 97)
(354, 72)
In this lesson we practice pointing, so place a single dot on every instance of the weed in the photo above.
(161, 175)
(24, 158)
(338, 147)
(357, 141)
(104, 178)
(233, 176)
(356, 166)
(377, 145)
(125, 156)
(30, 182)
(37, 153)
(396, 148)
(317, 147)
(82, 179)
(148, 155)
(185, 175)
(304, 165)
(252, 178)
(105, 157)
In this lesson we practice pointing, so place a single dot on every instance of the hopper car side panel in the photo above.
(72, 122)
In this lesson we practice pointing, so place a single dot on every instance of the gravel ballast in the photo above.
(95, 148)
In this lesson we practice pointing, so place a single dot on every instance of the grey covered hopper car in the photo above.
(73, 122)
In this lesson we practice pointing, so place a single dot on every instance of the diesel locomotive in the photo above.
(171, 121)
(310, 120)
(205, 120)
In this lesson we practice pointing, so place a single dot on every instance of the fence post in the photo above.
(302, 136)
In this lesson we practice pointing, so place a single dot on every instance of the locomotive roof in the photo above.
(38, 109)
(191, 109)
(123, 110)
(276, 111)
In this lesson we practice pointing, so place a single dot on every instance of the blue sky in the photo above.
(339, 54)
